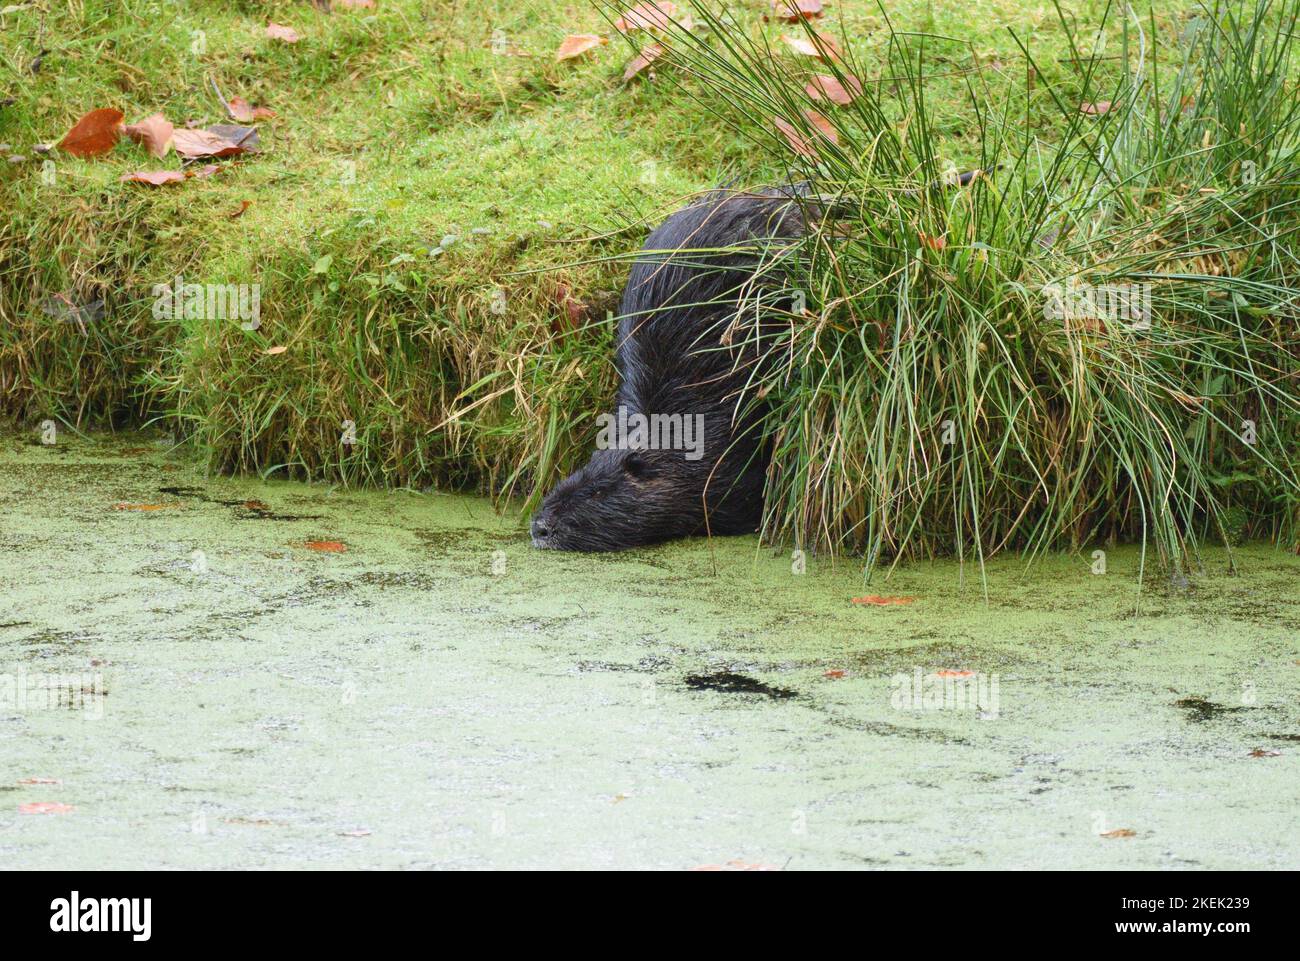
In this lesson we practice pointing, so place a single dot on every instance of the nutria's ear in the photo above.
(636, 465)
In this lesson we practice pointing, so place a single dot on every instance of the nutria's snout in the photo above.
(541, 531)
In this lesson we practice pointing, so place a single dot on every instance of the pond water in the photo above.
(231, 673)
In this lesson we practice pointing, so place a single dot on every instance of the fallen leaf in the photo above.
(154, 132)
(652, 16)
(356, 5)
(94, 134)
(822, 125)
(948, 673)
(792, 11)
(207, 170)
(256, 506)
(278, 349)
(155, 177)
(1119, 833)
(830, 88)
(326, 547)
(575, 311)
(143, 507)
(243, 136)
(934, 243)
(576, 44)
(799, 142)
(1096, 109)
(40, 780)
(1260, 752)
(820, 45)
(878, 601)
(204, 143)
(278, 31)
(239, 211)
(835, 674)
(648, 55)
(240, 109)
(45, 807)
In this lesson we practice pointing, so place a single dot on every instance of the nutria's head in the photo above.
(620, 499)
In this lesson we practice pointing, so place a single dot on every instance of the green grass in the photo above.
(557, 164)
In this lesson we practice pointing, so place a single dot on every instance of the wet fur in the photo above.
(681, 349)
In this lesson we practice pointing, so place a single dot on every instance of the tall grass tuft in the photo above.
(1096, 340)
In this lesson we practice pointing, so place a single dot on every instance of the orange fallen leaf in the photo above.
(652, 16)
(835, 674)
(792, 11)
(278, 31)
(820, 45)
(94, 134)
(822, 126)
(154, 133)
(326, 547)
(934, 243)
(1260, 752)
(948, 673)
(277, 349)
(155, 177)
(648, 55)
(1096, 109)
(878, 601)
(45, 807)
(830, 88)
(40, 780)
(1119, 833)
(239, 211)
(143, 507)
(575, 311)
(243, 111)
(576, 44)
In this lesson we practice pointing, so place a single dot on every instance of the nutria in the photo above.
(684, 352)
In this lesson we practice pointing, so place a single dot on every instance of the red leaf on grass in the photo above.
(93, 135)
(820, 45)
(326, 547)
(934, 243)
(829, 88)
(278, 31)
(155, 178)
(239, 211)
(45, 807)
(1095, 109)
(576, 44)
(799, 142)
(878, 601)
(792, 11)
(648, 55)
(154, 133)
(652, 16)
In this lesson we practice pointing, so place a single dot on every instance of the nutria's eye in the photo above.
(636, 465)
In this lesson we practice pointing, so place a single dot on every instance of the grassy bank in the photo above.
(479, 361)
